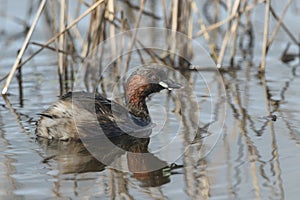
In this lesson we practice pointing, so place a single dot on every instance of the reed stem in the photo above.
(24, 47)
(265, 37)
(137, 22)
(73, 23)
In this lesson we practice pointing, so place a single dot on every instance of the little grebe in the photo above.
(80, 114)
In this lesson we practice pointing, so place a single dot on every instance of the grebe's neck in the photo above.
(137, 107)
(137, 89)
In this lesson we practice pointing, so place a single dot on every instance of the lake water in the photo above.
(246, 154)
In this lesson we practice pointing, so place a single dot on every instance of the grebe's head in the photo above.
(147, 80)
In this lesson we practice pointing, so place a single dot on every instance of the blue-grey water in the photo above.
(255, 157)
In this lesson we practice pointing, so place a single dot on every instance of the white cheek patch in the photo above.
(163, 84)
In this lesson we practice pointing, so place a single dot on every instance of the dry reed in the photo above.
(106, 19)
(265, 37)
(25, 44)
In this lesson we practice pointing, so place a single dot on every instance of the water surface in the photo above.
(255, 158)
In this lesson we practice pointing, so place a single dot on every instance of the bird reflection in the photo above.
(96, 154)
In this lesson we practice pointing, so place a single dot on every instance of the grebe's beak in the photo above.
(168, 84)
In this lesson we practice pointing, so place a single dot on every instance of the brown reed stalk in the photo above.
(95, 35)
(121, 43)
(73, 23)
(190, 23)
(205, 34)
(283, 26)
(226, 38)
(226, 20)
(279, 24)
(133, 40)
(190, 19)
(235, 36)
(24, 47)
(74, 55)
(174, 26)
(164, 9)
(52, 23)
(46, 45)
(56, 50)
(230, 31)
(182, 26)
(265, 37)
(61, 44)
(20, 84)
(78, 7)
(110, 13)
(75, 31)
(98, 28)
